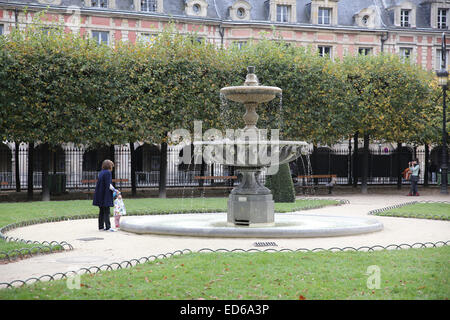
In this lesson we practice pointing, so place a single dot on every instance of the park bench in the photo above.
(311, 183)
(213, 178)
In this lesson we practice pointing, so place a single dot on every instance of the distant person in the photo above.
(415, 170)
(103, 196)
(433, 170)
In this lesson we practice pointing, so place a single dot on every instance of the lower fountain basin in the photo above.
(287, 225)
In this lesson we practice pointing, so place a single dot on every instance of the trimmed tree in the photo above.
(281, 185)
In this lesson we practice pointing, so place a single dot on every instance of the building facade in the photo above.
(410, 28)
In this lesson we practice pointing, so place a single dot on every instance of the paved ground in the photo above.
(120, 246)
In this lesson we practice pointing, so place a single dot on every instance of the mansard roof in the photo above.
(219, 9)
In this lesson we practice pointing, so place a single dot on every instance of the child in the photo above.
(119, 208)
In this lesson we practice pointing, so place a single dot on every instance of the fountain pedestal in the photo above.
(250, 210)
(250, 203)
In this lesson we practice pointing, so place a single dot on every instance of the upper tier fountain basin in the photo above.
(250, 94)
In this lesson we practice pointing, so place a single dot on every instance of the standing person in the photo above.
(103, 196)
(119, 208)
(433, 169)
(415, 170)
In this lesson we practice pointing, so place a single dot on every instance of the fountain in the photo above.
(250, 204)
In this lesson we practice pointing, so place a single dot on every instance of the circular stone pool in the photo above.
(287, 225)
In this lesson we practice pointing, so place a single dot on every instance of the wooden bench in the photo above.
(4, 183)
(95, 180)
(212, 178)
(311, 183)
(215, 177)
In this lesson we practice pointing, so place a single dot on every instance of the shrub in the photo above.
(281, 185)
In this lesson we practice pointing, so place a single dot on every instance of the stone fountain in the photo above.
(250, 205)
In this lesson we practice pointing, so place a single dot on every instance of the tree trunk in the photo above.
(163, 171)
(314, 162)
(16, 156)
(133, 169)
(45, 162)
(399, 171)
(112, 155)
(349, 163)
(365, 164)
(30, 171)
(202, 174)
(355, 160)
(426, 166)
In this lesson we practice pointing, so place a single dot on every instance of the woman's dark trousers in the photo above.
(414, 181)
(103, 218)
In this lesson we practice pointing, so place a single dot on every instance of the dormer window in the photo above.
(404, 14)
(365, 20)
(99, 3)
(324, 16)
(196, 8)
(324, 12)
(240, 10)
(103, 4)
(439, 14)
(149, 5)
(283, 13)
(405, 18)
(442, 18)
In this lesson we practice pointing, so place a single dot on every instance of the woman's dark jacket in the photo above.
(103, 196)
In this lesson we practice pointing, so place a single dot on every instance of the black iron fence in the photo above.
(77, 168)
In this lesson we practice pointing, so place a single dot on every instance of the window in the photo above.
(324, 51)
(439, 59)
(196, 8)
(99, 3)
(240, 12)
(1, 29)
(405, 18)
(324, 16)
(365, 51)
(101, 37)
(365, 20)
(406, 53)
(148, 5)
(442, 18)
(283, 13)
(240, 44)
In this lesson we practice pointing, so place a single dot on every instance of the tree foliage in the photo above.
(58, 87)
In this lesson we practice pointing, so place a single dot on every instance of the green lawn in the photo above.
(439, 211)
(25, 211)
(403, 274)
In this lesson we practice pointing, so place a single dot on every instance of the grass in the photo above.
(25, 211)
(438, 210)
(403, 274)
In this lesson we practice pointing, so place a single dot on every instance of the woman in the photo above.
(103, 196)
(415, 171)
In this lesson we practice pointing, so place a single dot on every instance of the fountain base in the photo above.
(287, 225)
(251, 210)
